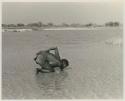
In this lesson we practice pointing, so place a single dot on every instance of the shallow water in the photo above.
(95, 69)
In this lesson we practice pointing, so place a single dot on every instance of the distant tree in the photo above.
(65, 25)
(116, 23)
(45, 25)
(4, 25)
(29, 25)
(36, 24)
(109, 24)
(11, 25)
(50, 24)
(40, 24)
(20, 25)
(89, 25)
(112, 24)
(75, 25)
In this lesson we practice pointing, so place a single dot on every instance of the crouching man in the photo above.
(49, 60)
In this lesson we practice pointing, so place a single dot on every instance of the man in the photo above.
(48, 60)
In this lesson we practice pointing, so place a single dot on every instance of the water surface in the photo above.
(95, 69)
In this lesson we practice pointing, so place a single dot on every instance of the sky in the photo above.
(58, 12)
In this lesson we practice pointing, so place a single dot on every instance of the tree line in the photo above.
(50, 24)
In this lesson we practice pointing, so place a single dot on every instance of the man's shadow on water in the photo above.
(51, 82)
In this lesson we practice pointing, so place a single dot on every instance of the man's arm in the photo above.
(37, 55)
(52, 48)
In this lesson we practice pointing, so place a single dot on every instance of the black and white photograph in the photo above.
(62, 50)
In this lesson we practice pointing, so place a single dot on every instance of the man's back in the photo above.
(52, 58)
(44, 56)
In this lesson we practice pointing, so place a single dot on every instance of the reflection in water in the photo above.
(51, 84)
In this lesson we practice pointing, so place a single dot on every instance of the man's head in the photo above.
(64, 63)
